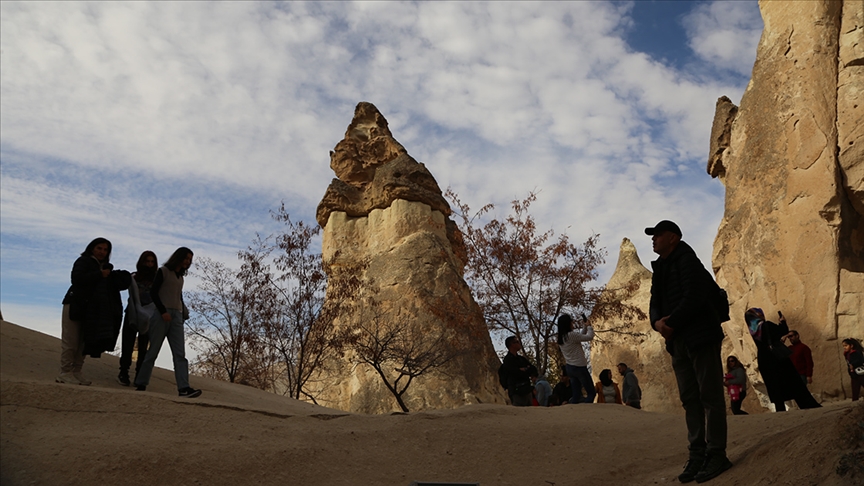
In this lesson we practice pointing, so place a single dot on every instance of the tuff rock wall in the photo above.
(386, 210)
(792, 160)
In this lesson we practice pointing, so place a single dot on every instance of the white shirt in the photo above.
(572, 350)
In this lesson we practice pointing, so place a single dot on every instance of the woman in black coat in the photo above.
(92, 310)
(779, 374)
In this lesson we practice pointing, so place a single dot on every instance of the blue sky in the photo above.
(166, 124)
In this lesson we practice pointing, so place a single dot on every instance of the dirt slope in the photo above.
(61, 434)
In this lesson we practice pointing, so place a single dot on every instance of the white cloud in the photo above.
(725, 34)
(156, 124)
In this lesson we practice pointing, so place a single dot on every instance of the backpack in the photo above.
(718, 298)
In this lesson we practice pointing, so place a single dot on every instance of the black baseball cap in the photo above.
(662, 226)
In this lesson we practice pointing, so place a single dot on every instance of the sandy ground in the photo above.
(60, 434)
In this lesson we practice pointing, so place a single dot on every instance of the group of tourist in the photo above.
(93, 312)
(687, 308)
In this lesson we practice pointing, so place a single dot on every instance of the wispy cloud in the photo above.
(164, 123)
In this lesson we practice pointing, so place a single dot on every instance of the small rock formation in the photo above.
(386, 210)
(639, 346)
(792, 161)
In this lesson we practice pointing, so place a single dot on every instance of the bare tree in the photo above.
(226, 312)
(397, 349)
(299, 329)
(523, 279)
(267, 324)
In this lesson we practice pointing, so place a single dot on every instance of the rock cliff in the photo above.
(792, 160)
(386, 211)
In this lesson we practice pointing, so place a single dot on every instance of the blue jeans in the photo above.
(174, 331)
(579, 379)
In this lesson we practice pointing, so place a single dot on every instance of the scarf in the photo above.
(755, 317)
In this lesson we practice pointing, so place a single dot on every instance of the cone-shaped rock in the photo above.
(386, 211)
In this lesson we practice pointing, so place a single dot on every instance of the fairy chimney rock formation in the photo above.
(385, 211)
(792, 234)
(632, 341)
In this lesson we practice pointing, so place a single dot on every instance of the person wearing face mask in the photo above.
(781, 379)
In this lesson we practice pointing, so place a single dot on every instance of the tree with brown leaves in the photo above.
(523, 278)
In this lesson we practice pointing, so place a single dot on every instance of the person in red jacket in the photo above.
(801, 356)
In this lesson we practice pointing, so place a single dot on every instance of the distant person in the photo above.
(801, 356)
(570, 342)
(167, 294)
(562, 392)
(542, 390)
(92, 310)
(631, 394)
(735, 381)
(682, 311)
(854, 354)
(515, 374)
(138, 314)
(781, 379)
(607, 390)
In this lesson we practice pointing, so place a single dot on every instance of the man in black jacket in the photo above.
(682, 311)
(515, 374)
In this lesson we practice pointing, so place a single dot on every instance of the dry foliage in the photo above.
(267, 324)
(523, 278)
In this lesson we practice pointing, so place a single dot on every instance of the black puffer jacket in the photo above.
(95, 302)
(680, 289)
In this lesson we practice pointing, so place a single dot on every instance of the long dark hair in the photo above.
(606, 377)
(143, 273)
(177, 258)
(98, 241)
(565, 325)
(856, 344)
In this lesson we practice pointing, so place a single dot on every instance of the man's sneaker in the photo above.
(691, 469)
(190, 392)
(67, 378)
(123, 378)
(714, 466)
(81, 380)
(140, 387)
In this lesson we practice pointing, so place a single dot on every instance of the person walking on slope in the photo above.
(167, 294)
(92, 310)
(138, 315)
(570, 342)
(682, 311)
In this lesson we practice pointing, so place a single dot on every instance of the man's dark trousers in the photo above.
(700, 385)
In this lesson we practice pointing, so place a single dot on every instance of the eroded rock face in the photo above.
(386, 210)
(792, 234)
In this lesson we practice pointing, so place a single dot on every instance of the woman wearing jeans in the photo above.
(570, 342)
(167, 294)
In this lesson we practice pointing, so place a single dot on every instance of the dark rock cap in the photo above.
(662, 226)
